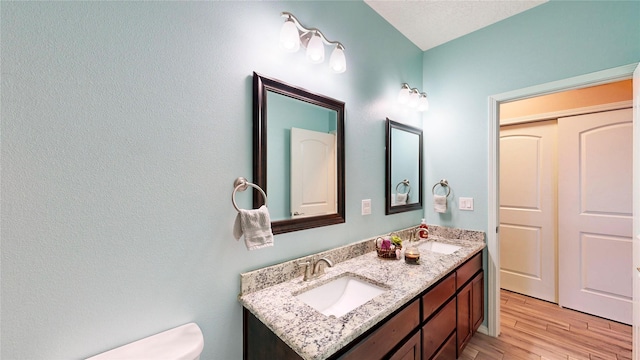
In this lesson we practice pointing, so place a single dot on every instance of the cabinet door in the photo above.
(464, 326)
(410, 350)
(477, 304)
(470, 310)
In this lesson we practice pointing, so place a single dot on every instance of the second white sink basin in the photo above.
(439, 247)
(340, 295)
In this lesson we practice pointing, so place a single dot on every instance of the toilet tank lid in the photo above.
(182, 343)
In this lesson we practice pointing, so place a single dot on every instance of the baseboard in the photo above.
(483, 330)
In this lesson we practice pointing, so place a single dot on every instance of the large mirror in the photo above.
(403, 168)
(298, 145)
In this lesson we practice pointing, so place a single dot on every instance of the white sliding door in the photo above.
(595, 213)
(528, 209)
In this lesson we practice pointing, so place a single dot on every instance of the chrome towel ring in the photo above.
(406, 183)
(242, 184)
(443, 183)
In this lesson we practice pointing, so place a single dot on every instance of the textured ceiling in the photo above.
(429, 23)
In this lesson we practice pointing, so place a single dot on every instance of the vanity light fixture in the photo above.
(413, 98)
(293, 34)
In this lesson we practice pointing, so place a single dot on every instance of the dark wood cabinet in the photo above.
(436, 325)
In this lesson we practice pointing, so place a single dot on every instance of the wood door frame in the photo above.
(493, 243)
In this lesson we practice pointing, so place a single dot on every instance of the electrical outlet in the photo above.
(465, 203)
(366, 207)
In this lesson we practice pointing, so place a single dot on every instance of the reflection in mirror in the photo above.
(305, 155)
(404, 168)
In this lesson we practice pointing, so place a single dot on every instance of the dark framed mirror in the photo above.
(403, 185)
(299, 161)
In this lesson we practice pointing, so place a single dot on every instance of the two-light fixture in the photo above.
(413, 98)
(293, 34)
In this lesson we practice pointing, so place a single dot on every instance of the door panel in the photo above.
(595, 213)
(313, 168)
(528, 209)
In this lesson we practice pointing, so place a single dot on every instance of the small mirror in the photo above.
(299, 137)
(404, 168)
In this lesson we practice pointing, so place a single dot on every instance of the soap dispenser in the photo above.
(424, 234)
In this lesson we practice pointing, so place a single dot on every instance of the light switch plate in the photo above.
(465, 203)
(366, 207)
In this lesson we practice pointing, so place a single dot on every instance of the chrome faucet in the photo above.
(313, 269)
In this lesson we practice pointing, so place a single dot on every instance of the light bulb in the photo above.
(315, 49)
(413, 98)
(337, 61)
(289, 37)
(403, 95)
(423, 102)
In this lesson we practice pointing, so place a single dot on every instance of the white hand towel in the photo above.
(401, 199)
(440, 203)
(255, 225)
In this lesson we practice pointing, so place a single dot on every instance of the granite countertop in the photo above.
(316, 336)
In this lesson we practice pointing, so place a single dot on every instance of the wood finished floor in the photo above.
(536, 329)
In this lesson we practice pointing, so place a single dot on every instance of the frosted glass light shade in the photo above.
(423, 102)
(315, 49)
(413, 98)
(337, 61)
(404, 94)
(289, 37)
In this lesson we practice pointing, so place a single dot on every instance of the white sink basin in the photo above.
(439, 247)
(340, 295)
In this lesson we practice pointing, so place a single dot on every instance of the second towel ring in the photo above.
(443, 183)
(406, 183)
(242, 184)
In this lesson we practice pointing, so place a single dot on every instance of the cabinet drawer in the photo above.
(448, 350)
(437, 296)
(438, 329)
(470, 268)
(410, 350)
(385, 338)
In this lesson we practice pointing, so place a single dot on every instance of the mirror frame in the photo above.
(408, 207)
(262, 85)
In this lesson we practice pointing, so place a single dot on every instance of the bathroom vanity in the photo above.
(427, 311)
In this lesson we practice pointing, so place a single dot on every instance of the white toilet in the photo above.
(182, 343)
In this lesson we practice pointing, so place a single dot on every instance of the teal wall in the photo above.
(554, 41)
(124, 125)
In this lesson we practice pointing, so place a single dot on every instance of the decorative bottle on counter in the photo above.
(424, 234)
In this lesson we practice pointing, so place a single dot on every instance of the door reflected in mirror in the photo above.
(304, 156)
(403, 185)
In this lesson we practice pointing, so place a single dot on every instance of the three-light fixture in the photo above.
(413, 98)
(293, 34)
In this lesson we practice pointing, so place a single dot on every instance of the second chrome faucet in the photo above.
(313, 269)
